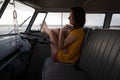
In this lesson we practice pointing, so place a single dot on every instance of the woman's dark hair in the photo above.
(79, 16)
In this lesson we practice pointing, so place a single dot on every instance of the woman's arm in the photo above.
(64, 41)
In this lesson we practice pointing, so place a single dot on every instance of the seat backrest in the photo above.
(100, 55)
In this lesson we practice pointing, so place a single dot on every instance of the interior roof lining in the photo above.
(88, 5)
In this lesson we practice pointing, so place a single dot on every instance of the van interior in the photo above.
(25, 52)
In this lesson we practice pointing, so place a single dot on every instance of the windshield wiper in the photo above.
(24, 21)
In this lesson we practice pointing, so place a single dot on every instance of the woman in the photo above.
(66, 42)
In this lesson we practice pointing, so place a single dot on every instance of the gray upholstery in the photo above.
(99, 60)
(62, 71)
(100, 56)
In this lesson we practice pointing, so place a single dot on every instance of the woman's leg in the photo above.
(53, 35)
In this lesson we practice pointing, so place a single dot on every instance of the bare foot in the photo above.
(45, 28)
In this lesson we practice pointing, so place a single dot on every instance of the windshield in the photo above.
(23, 16)
(1, 3)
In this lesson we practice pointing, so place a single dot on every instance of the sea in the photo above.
(7, 29)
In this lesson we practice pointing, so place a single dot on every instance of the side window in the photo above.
(115, 22)
(57, 20)
(24, 13)
(65, 18)
(94, 20)
(53, 20)
(38, 22)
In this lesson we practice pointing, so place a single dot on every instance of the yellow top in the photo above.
(74, 49)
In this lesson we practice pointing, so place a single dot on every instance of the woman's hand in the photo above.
(67, 28)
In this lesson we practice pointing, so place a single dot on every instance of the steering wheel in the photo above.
(35, 38)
